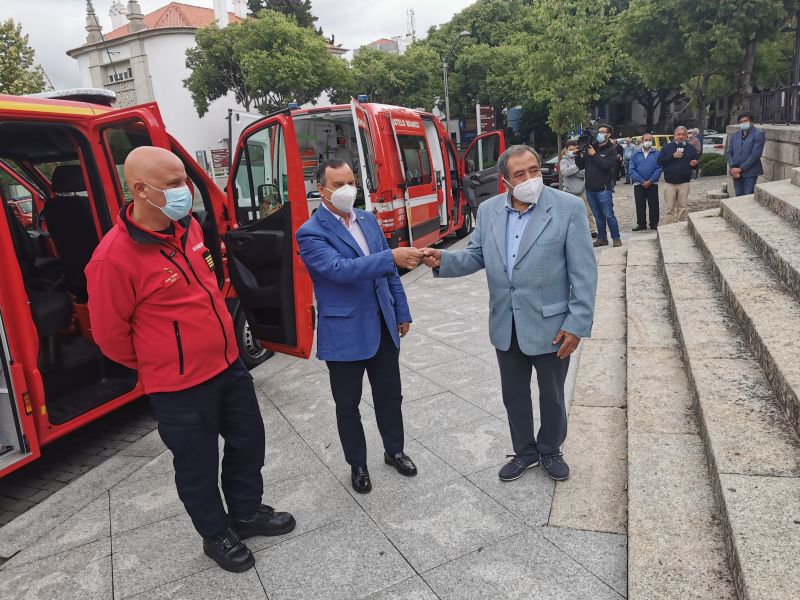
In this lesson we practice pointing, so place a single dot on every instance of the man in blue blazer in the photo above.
(540, 266)
(744, 155)
(363, 313)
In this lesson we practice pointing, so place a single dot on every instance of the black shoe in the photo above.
(360, 478)
(228, 551)
(654, 227)
(555, 466)
(639, 228)
(517, 466)
(401, 462)
(265, 522)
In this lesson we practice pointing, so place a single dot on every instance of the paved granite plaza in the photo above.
(454, 531)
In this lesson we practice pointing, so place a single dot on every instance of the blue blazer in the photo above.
(746, 153)
(355, 293)
(554, 278)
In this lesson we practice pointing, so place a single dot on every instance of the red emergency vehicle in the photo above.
(69, 157)
(407, 168)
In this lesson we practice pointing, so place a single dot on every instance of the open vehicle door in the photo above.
(266, 193)
(363, 134)
(481, 174)
(18, 439)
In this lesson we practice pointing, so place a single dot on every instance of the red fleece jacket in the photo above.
(154, 305)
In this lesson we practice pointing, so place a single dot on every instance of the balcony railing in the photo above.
(776, 106)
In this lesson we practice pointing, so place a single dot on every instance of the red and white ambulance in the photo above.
(69, 155)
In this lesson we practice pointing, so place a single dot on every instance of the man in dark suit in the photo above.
(744, 155)
(363, 313)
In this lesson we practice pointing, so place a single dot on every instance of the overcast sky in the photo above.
(56, 26)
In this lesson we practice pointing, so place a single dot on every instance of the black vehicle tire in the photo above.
(250, 351)
(468, 225)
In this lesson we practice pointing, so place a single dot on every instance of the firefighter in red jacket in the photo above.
(155, 306)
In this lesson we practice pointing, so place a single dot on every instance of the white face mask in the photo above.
(528, 191)
(344, 197)
(647, 145)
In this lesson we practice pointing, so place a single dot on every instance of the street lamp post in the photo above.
(444, 68)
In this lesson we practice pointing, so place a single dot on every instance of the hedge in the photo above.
(713, 164)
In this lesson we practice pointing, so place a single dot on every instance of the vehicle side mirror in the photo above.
(269, 199)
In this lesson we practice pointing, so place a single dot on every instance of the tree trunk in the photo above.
(702, 95)
(663, 113)
(744, 79)
(649, 103)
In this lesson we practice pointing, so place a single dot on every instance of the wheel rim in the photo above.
(250, 344)
(468, 219)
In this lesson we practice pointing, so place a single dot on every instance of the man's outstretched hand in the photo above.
(403, 328)
(407, 258)
(569, 343)
(432, 258)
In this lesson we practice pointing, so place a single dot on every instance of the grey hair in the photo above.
(514, 150)
(679, 127)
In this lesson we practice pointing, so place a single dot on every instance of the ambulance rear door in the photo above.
(267, 198)
(363, 135)
(482, 178)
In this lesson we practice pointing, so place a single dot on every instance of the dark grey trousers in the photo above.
(515, 376)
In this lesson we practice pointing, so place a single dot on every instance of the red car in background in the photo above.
(23, 210)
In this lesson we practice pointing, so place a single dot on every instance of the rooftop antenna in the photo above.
(41, 68)
(90, 11)
(411, 26)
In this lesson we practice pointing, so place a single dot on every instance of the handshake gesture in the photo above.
(409, 258)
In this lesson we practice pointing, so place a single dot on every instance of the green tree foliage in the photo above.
(300, 10)
(266, 63)
(406, 80)
(569, 58)
(18, 75)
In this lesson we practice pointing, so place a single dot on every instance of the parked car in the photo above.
(22, 209)
(710, 132)
(550, 171)
(715, 144)
(659, 140)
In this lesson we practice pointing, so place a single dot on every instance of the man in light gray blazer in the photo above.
(540, 266)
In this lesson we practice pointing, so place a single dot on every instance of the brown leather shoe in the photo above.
(598, 242)
(617, 243)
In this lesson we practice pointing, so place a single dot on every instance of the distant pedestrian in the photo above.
(573, 181)
(630, 148)
(645, 173)
(694, 140)
(600, 164)
(677, 158)
(620, 148)
(744, 155)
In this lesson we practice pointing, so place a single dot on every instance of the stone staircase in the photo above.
(714, 363)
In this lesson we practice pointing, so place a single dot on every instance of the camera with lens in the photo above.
(586, 139)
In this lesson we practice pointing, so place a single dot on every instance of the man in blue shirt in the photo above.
(645, 173)
(744, 155)
(541, 270)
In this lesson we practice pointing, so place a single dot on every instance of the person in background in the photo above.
(645, 173)
(744, 155)
(628, 151)
(620, 148)
(697, 142)
(572, 179)
(677, 158)
(600, 165)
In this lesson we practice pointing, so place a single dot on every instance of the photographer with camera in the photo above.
(598, 158)
(572, 180)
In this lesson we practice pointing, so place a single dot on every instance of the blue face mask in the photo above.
(571, 154)
(600, 137)
(179, 201)
(744, 126)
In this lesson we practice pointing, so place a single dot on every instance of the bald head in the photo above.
(156, 166)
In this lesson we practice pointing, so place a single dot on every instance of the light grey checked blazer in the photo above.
(555, 274)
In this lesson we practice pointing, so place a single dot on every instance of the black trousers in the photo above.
(347, 377)
(190, 422)
(646, 198)
(515, 378)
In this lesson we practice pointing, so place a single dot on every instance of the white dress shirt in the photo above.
(353, 228)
